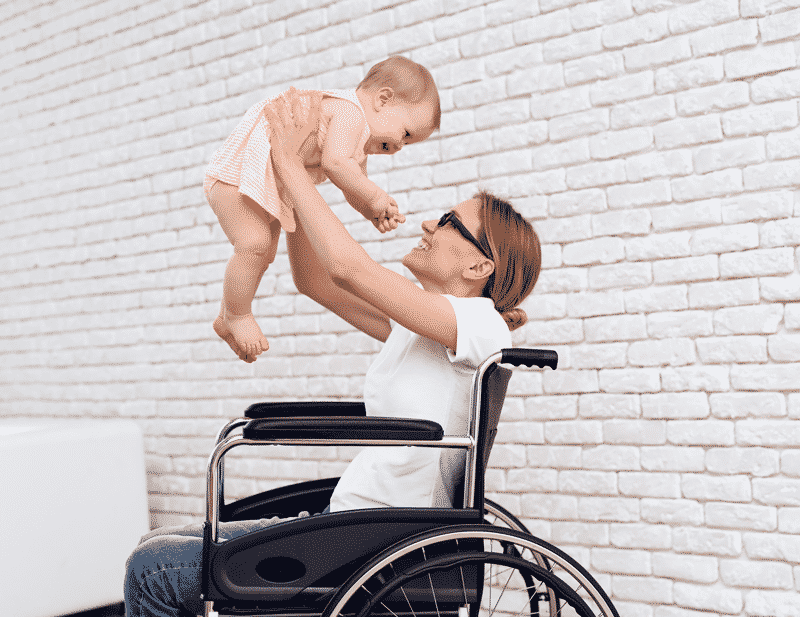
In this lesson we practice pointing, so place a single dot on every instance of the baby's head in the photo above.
(401, 103)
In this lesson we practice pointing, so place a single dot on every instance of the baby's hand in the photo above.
(385, 213)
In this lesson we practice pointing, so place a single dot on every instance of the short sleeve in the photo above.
(480, 330)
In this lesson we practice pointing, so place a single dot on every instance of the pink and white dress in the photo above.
(243, 160)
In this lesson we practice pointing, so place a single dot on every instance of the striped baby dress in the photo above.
(243, 160)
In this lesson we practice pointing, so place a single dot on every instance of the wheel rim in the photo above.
(512, 544)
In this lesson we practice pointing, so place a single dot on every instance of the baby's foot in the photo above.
(246, 334)
(222, 330)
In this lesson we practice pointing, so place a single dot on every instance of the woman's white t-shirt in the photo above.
(415, 377)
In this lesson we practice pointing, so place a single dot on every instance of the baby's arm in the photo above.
(344, 132)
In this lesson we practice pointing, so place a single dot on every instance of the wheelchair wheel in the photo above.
(471, 571)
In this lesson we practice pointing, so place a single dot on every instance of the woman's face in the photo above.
(444, 253)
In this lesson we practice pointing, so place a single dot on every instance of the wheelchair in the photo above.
(473, 560)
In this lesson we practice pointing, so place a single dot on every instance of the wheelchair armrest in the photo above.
(310, 408)
(343, 427)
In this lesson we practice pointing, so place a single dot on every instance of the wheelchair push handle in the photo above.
(530, 357)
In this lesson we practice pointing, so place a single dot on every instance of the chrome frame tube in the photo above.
(475, 408)
(222, 434)
(214, 461)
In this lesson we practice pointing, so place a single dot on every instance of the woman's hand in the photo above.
(286, 138)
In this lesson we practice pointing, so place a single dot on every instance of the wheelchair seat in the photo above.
(399, 562)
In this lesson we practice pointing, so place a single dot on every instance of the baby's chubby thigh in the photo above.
(249, 227)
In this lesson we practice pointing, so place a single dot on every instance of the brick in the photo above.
(622, 328)
(578, 124)
(734, 154)
(651, 55)
(760, 602)
(732, 349)
(508, 11)
(703, 597)
(648, 111)
(526, 480)
(696, 379)
(740, 33)
(589, 534)
(759, 61)
(542, 27)
(778, 27)
(641, 194)
(759, 462)
(675, 405)
(638, 432)
(741, 516)
(717, 488)
(594, 67)
(672, 458)
(503, 113)
(692, 568)
(577, 202)
(655, 164)
(622, 89)
(616, 143)
(594, 304)
(611, 458)
(777, 491)
(562, 280)
(758, 206)
(778, 547)
(640, 536)
(647, 589)
(763, 262)
(656, 299)
(600, 250)
(720, 97)
(648, 484)
(546, 506)
(789, 520)
(587, 482)
(668, 352)
(784, 347)
(559, 102)
(608, 405)
(784, 85)
(687, 216)
(585, 16)
(723, 293)
(717, 183)
(569, 382)
(741, 320)
(771, 175)
(620, 561)
(551, 408)
(687, 132)
(724, 239)
(783, 145)
(767, 433)
(707, 542)
(766, 117)
(576, 45)
(513, 60)
(679, 323)
(641, 29)
(691, 74)
(555, 456)
(596, 174)
(552, 155)
(626, 222)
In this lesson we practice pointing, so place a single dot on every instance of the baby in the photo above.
(396, 104)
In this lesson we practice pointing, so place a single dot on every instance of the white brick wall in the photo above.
(654, 146)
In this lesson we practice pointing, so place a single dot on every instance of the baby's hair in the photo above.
(410, 81)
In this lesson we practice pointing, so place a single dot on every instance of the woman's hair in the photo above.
(411, 82)
(514, 245)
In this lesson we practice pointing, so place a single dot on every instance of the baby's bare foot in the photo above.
(226, 335)
(246, 334)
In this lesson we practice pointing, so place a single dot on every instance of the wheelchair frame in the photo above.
(294, 426)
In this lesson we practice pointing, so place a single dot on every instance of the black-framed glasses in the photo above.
(450, 217)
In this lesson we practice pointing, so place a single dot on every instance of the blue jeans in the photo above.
(163, 573)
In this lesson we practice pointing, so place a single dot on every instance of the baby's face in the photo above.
(396, 125)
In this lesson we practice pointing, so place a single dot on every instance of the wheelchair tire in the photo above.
(400, 581)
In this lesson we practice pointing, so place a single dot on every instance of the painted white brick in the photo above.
(633, 195)
(720, 97)
(758, 206)
(587, 483)
(761, 262)
(680, 323)
(608, 405)
(656, 299)
(784, 85)
(771, 175)
(692, 568)
(724, 239)
(759, 61)
(542, 27)
(658, 247)
(723, 488)
(730, 154)
(567, 382)
(697, 214)
(548, 156)
(613, 144)
(778, 27)
(741, 33)
(621, 275)
(629, 380)
(652, 55)
(687, 132)
(723, 293)
(691, 74)
(672, 512)
(696, 379)
(626, 222)
(564, 101)
(595, 174)
(707, 542)
(758, 602)
(621, 561)
(649, 484)
(761, 119)
(688, 269)
(748, 320)
(648, 111)
(671, 458)
(708, 598)
(783, 145)
(655, 164)
(717, 183)
(623, 88)
(675, 406)
(669, 352)
(767, 432)
(754, 461)
(585, 16)
(641, 29)
(578, 124)
(730, 349)
(640, 536)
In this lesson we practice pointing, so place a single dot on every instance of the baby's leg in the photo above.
(254, 234)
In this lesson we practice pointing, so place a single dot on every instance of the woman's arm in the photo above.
(428, 314)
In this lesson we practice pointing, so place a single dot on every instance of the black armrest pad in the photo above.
(343, 427)
(310, 408)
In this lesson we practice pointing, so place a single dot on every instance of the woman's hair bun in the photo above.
(515, 318)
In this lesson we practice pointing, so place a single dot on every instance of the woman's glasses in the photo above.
(450, 217)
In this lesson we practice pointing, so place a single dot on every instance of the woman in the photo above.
(475, 266)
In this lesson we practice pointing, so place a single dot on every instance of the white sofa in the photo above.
(74, 506)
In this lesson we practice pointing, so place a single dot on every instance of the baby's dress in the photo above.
(244, 159)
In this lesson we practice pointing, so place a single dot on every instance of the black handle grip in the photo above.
(529, 357)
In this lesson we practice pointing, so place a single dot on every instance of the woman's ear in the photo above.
(480, 271)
